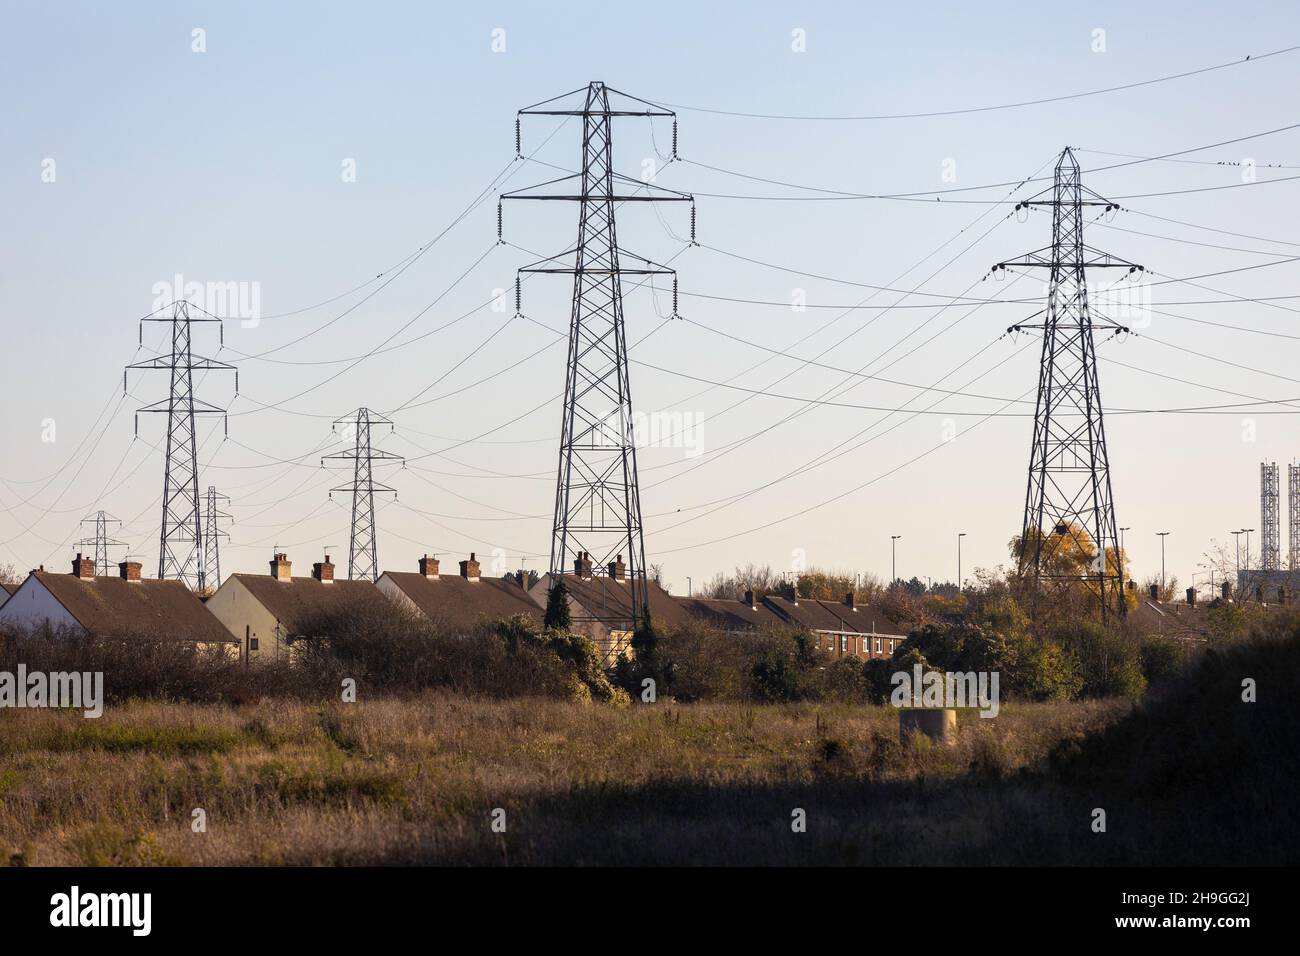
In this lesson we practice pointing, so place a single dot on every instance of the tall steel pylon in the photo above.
(1068, 502)
(212, 535)
(1293, 516)
(180, 543)
(101, 542)
(597, 499)
(363, 560)
(1270, 517)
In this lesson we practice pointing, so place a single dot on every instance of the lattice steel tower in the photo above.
(1270, 517)
(597, 500)
(363, 560)
(1293, 516)
(180, 546)
(212, 535)
(101, 542)
(1068, 502)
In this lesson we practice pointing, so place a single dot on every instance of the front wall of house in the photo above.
(251, 624)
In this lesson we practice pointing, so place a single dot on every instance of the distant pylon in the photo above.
(212, 535)
(181, 535)
(101, 542)
(597, 499)
(1293, 516)
(1069, 498)
(1270, 517)
(363, 560)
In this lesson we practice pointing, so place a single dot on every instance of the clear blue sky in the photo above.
(225, 166)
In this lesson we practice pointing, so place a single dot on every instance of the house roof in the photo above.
(608, 599)
(732, 615)
(816, 615)
(459, 602)
(11, 588)
(1173, 619)
(113, 607)
(292, 603)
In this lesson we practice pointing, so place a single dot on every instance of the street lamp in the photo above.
(1163, 535)
(1236, 537)
(893, 557)
(1246, 532)
(960, 535)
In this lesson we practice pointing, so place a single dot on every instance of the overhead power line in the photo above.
(994, 107)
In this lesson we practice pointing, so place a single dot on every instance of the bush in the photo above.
(1162, 660)
(1108, 663)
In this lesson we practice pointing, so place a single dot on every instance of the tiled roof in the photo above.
(115, 607)
(459, 602)
(606, 598)
(732, 615)
(835, 616)
(295, 601)
(11, 588)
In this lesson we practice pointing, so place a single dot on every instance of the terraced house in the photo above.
(267, 613)
(124, 606)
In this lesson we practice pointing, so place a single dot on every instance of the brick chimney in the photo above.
(521, 578)
(429, 567)
(1191, 597)
(469, 569)
(617, 569)
(323, 571)
(1225, 589)
(129, 570)
(83, 568)
(851, 601)
(281, 566)
(582, 565)
(1155, 593)
(750, 600)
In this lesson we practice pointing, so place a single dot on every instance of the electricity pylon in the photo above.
(180, 543)
(1270, 517)
(363, 560)
(597, 499)
(212, 535)
(1293, 516)
(101, 542)
(1068, 502)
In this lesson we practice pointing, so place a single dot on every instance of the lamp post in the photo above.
(1246, 532)
(960, 535)
(1162, 535)
(893, 557)
(1236, 537)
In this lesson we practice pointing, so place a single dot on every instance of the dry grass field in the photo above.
(416, 781)
(1197, 772)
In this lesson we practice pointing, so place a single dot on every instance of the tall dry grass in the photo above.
(415, 781)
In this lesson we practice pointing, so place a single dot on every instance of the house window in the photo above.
(252, 644)
(877, 645)
(891, 647)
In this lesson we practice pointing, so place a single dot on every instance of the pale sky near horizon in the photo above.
(230, 165)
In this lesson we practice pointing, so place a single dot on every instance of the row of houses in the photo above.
(257, 617)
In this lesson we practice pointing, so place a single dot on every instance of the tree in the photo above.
(9, 575)
(557, 607)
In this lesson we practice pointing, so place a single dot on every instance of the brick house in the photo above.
(839, 628)
(601, 604)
